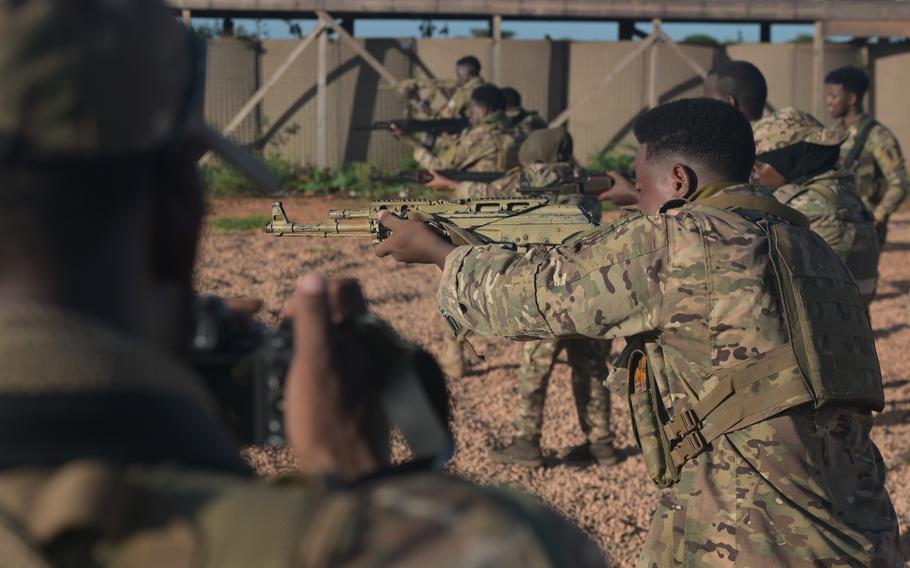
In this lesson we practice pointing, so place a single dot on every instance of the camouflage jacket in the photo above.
(536, 175)
(639, 275)
(525, 121)
(487, 147)
(691, 284)
(130, 469)
(841, 219)
(882, 179)
(457, 104)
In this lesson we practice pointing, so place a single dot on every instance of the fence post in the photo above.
(321, 86)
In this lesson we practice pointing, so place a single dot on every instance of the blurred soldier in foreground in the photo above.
(435, 98)
(796, 158)
(523, 121)
(871, 150)
(111, 455)
(765, 441)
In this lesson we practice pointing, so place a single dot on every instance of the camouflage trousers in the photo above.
(804, 488)
(588, 360)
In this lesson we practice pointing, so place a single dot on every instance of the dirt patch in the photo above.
(612, 504)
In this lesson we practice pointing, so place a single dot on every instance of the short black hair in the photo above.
(853, 80)
(744, 82)
(710, 133)
(513, 97)
(471, 63)
(489, 96)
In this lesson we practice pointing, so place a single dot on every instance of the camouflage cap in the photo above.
(789, 126)
(102, 78)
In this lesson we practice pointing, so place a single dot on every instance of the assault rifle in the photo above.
(424, 176)
(586, 184)
(510, 221)
(431, 128)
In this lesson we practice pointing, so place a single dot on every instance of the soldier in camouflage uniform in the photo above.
(523, 121)
(796, 158)
(881, 173)
(440, 98)
(111, 451)
(487, 145)
(766, 442)
(545, 158)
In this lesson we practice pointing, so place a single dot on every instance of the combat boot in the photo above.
(601, 452)
(519, 451)
(451, 360)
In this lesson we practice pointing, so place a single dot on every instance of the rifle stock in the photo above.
(433, 126)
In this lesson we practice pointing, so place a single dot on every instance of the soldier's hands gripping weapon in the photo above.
(431, 128)
(508, 221)
(425, 176)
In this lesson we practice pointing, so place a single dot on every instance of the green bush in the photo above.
(248, 223)
(700, 39)
(355, 179)
(620, 158)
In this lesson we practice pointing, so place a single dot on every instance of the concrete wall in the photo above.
(549, 75)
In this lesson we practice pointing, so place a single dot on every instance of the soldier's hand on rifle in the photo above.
(412, 241)
(623, 192)
(324, 433)
(441, 182)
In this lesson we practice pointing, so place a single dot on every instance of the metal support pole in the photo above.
(496, 54)
(322, 159)
(765, 32)
(818, 69)
(653, 94)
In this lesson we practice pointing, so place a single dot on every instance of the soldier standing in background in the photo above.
(110, 452)
(871, 150)
(523, 121)
(765, 439)
(545, 158)
(796, 158)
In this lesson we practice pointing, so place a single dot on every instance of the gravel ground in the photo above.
(612, 504)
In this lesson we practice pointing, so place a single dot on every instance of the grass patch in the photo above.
(236, 224)
(354, 179)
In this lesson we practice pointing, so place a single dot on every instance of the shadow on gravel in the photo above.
(895, 383)
(903, 288)
(484, 370)
(889, 331)
(902, 246)
(553, 460)
(893, 418)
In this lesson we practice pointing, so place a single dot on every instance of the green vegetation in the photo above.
(803, 38)
(700, 39)
(620, 158)
(355, 179)
(248, 223)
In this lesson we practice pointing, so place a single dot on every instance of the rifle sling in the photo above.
(858, 144)
(765, 205)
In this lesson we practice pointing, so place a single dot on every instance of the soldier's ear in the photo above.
(683, 181)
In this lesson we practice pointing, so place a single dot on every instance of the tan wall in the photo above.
(231, 79)
(535, 68)
(607, 117)
(788, 70)
(355, 98)
(890, 68)
(548, 74)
